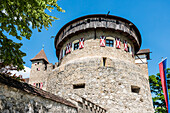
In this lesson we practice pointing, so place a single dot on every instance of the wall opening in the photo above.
(88, 20)
(104, 61)
(117, 22)
(45, 66)
(78, 86)
(135, 89)
(100, 19)
(76, 46)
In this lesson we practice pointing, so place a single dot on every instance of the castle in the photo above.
(99, 60)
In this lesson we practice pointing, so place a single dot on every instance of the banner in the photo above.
(162, 69)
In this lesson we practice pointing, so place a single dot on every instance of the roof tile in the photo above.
(40, 55)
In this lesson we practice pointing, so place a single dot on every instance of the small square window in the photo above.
(76, 45)
(135, 89)
(78, 86)
(109, 43)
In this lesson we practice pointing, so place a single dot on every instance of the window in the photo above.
(37, 85)
(88, 20)
(109, 42)
(135, 89)
(76, 45)
(78, 86)
(104, 61)
(128, 49)
(117, 22)
(64, 52)
(100, 19)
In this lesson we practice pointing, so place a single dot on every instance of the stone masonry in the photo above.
(17, 97)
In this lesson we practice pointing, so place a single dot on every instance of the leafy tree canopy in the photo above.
(157, 92)
(17, 17)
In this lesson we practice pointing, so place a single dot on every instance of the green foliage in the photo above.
(17, 17)
(157, 92)
(10, 53)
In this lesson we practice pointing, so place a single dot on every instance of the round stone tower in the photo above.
(97, 56)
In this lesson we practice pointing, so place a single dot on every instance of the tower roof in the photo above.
(97, 21)
(40, 56)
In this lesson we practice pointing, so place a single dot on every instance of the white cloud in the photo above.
(25, 74)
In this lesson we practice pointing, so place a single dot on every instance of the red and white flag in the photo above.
(102, 41)
(34, 84)
(81, 43)
(118, 43)
(68, 48)
(125, 46)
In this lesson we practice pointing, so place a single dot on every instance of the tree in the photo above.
(157, 92)
(17, 17)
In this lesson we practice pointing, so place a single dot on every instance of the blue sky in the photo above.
(152, 18)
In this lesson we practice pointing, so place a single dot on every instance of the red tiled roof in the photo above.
(40, 55)
(143, 51)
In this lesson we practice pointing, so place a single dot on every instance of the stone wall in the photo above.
(112, 87)
(17, 97)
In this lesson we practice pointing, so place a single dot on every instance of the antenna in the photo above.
(108, 13)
